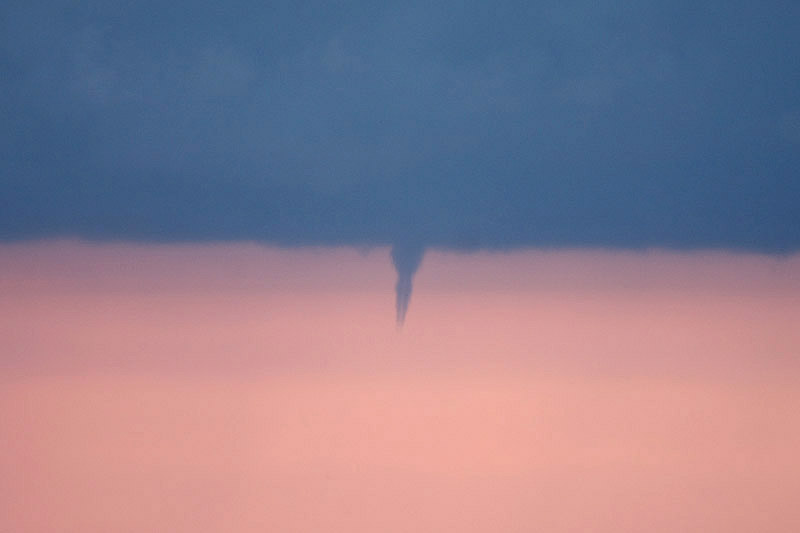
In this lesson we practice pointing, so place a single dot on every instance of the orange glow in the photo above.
(247, 389)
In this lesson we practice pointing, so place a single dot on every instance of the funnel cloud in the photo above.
(406, 259)
(447, 126)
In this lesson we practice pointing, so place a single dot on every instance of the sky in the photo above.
(201, 388)
(205, 208)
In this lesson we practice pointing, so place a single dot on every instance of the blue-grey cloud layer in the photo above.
(468, 124)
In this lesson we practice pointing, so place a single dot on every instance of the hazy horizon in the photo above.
(248, 388)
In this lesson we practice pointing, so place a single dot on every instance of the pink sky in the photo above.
(241, 388)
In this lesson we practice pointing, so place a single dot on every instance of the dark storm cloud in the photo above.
(463, 125)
